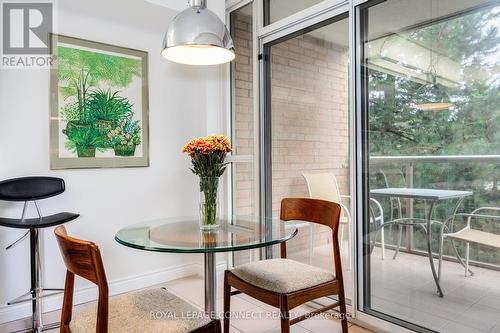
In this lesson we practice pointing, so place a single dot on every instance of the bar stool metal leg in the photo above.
(29, 190)
(35, 280)
(36, 289)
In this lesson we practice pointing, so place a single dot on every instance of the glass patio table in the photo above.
(183, 235)
(433, 196)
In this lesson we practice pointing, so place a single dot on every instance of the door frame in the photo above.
(336, 11)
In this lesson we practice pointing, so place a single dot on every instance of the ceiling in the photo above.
(387, 17)
(177, 5)
(139, 13)
(389, 48)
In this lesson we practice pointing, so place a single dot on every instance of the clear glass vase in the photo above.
(209, 203)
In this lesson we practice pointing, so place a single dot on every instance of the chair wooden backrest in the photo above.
(322, 212)
(82, 258)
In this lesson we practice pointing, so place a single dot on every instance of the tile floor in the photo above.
(404, 288)
(192, 290)
(263, 319)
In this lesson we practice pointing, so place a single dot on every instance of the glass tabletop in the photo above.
(183, 234)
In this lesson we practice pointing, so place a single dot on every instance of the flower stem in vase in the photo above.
(208, 160)
(208, 188)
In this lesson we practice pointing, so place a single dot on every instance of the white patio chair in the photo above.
(377, 219)
(324, 186)
(469, 234)
(396, 208)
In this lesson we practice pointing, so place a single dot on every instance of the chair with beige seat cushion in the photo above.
(152, 311)
(282, 275)
(285, 283)
(146, 311)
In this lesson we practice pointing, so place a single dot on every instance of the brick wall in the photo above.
(309, 114)
(243, 118)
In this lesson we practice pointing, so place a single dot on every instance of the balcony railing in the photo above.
(408, 166)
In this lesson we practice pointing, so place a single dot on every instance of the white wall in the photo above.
(107, 199)
(217, 84)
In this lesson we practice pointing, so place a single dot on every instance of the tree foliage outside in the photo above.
(471, 127)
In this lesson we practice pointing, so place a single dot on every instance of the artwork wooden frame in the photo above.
(99, 114)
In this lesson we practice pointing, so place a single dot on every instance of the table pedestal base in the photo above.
(210, 285)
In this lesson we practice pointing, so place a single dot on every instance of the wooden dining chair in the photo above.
(285, 283)
(135, 312)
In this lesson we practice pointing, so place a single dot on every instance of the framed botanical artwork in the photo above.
(99, 105)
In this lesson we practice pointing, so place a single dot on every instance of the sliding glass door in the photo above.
(306, 133)
(429, 87)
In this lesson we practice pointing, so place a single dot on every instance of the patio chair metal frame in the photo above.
(395, 206)
(466, 236)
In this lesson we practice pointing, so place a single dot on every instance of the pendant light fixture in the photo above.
(436, 99)
(196, 36)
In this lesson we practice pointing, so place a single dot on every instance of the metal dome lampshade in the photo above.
(196, 36)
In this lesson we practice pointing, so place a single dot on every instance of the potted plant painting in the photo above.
(125, 137)
(83, 140)
(108, 109)
(208, 159)
(75, 111)
(91, 119)
(99, 105)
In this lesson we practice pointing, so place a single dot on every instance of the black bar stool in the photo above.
(32, 189)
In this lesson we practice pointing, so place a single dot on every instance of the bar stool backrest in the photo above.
(30, 188)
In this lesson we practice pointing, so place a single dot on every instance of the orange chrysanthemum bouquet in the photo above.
(208, 157)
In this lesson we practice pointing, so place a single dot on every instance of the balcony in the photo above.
(404, 287)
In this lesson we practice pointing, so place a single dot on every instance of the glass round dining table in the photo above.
(183, 235)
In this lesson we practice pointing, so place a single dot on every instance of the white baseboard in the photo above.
(52, 303)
